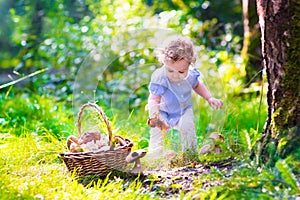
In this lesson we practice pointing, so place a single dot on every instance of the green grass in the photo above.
(35, 114)
(33, 131)
(31, 169)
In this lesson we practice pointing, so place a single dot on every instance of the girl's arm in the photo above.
(153, 105)
(202, 90)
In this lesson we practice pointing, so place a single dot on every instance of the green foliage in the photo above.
(245, 181)
(44, 34)
(112, 40)
(66, 33)
(37, 115)
(287, 175)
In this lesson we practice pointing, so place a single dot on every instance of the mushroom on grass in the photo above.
(135, 157)
(212, 144)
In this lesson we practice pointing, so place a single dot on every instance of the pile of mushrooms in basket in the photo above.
(97, 142)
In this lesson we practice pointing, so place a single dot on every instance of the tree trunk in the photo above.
(280, 28)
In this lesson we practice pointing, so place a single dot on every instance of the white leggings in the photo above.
(185, 126)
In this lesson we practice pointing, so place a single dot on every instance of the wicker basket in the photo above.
(102, 162)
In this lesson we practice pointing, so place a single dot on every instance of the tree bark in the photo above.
(280, 28)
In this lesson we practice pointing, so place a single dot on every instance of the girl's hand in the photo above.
(156, 122)
(151, 122)
(215, 103)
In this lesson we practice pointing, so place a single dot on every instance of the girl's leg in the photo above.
(186, 126)
(156, 144)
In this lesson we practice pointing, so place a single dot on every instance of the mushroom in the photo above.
(73, 144)
(212, 145)
(74, 148)
(90, 141)
(216, 136)
(135, 157)
(206, 149)
(88, 137)
(70, 140)
(170, 154)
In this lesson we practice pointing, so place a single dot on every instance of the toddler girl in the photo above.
(170, 100)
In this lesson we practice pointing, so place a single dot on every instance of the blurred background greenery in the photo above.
(102, 51)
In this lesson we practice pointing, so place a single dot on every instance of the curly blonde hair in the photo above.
(176, 50)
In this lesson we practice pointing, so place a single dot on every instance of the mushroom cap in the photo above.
(206, 149)
(71, 139)
(75, 148)
(88, 137)
(216, 136)
(133, 156)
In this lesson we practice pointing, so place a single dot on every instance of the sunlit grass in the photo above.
(31, 169)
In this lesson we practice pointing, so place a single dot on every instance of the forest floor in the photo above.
(169, 182)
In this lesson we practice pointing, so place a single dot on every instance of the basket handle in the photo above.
(102, 114)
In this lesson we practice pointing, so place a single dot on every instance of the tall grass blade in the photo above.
(23, 78)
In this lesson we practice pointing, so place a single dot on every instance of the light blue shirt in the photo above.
(176, 97)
